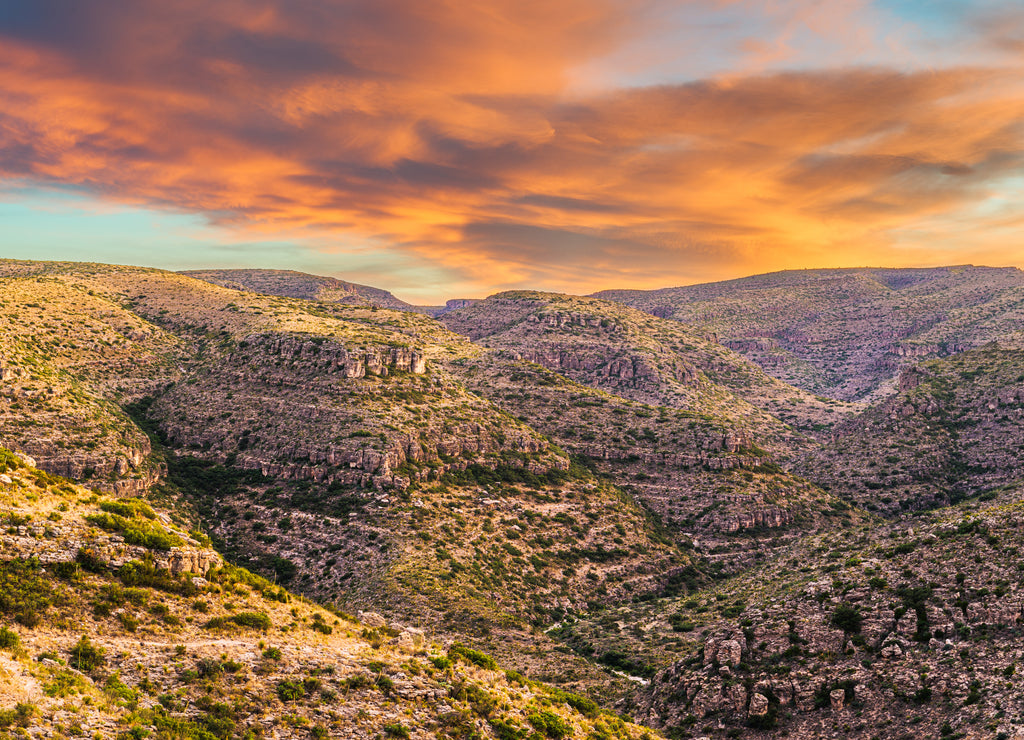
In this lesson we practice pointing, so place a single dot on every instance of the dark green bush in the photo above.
(85, 656)
(25, 593)
(847, 617)
(128, 508)
(136, 531)
(550, 724)
(290, 690)
(145, 573)
(252, 620)
(20, 716)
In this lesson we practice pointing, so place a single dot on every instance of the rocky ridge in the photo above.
(848, 333)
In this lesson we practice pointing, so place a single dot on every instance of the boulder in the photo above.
(372, 619)
(758, 706)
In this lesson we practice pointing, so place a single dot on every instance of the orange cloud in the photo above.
(451, 131)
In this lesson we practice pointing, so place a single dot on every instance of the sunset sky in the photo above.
(443, 148)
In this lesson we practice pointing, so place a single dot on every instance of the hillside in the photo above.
(618, 509)
(119, 624)
(327, 446)
(847, 334)
(292, 284)
(873, 631)
(953, 430)
(661, 410)
(637, 356)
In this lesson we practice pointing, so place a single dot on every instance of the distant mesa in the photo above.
(456, 303)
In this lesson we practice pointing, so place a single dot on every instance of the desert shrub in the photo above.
(116, 689)
(396, 729)
(136, 531)
(290, 690)
(85, 656)
(64, 683)
(581, 704)
(506, 730)
(320, 626)
(24, 593)
(88, 560)
(550, 724)
(8, 461)
(145, 573)
(680, 623)
(252, 620)
(470, 655)
(8, 639)
(129, 508)
(847, 618)
(20, 716)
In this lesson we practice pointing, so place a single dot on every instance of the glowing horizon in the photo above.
(439, 151)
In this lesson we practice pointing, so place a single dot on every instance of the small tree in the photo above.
(847, 618)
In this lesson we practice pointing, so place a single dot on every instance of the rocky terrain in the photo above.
(693, 430)
(847, 334)
(796, 520)
(954, 430)
(119, 624)
(872, 631)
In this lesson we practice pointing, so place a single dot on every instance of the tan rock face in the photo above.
(758, 706)
(372, 619)
(837, 698)
(198, 562)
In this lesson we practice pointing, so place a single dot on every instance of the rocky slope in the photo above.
(847, 334)
(613, 502)
(873, 631)
(953, 430)
(637, 356)
(329, 445)
(118, 624)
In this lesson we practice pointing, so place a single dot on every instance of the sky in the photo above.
(441, 149)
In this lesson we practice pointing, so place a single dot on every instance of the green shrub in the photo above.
(680, 623)
(20, 716)
(506, 730)
(129, 508)
(550, 724)
(24, 593)
(581, 704)
(475, 657)
(290, 690)
(847, 618)
(396, 729)
(85, 656)
(145, 573)
(136, 531)
(252, 620)
(87, 558)
(116, 689)
(8, 639)
(64, 683)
